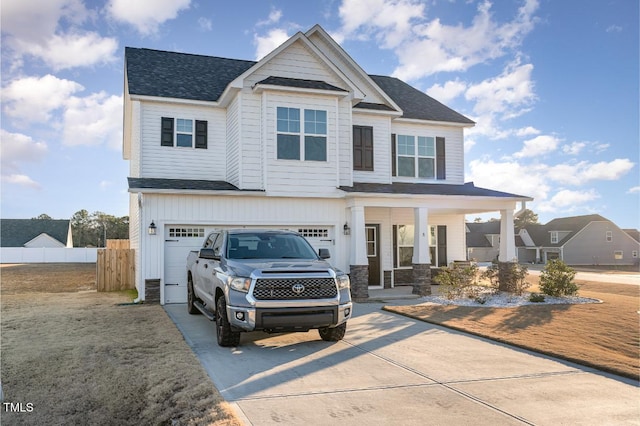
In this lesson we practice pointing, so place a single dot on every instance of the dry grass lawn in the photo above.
(604, 335)
(81, 358)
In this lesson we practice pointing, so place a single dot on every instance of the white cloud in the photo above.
(205, 24)
(389, 21)
(274, 18)
(33, 99)
(436, 47)
(146, 15)
(15, 150)
(527, 131)
(614, 29)
(574, 149)
(72, 50)
(93, 120)
(565, 198)
(447, 92)
(506, 94)
(612, 170)
(21, 180)
(273, 39)
(540, 145)
(634, 190)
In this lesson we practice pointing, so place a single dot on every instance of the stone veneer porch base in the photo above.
(359, 276)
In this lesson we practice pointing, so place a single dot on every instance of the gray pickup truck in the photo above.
(269, 280)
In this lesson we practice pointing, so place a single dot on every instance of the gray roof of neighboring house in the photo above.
(18, 232)
(633, 233)
(540, 233)
(467, 189)
(478, 231)
(198, 77)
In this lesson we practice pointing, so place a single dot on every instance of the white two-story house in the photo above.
(304, 139)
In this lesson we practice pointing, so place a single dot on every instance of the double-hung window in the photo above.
(183, 132)
(416, 156)
(301, 138)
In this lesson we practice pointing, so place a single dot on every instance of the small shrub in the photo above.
(556, 279)
(536, 298)
(457, 280)
(507, 276)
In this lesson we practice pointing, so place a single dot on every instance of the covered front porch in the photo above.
(395, 239)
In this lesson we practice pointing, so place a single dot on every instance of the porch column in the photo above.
(507, 237)
(358, 264)
(421, 257)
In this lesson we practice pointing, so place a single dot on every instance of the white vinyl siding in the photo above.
(454, 149)
(381, 149)
(170, 163)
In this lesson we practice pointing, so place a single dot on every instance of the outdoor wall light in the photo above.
(152, 228)
(346, 229)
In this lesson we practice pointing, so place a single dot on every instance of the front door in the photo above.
(373, 253)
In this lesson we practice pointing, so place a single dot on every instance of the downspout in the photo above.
(139, 298)
(522, 209)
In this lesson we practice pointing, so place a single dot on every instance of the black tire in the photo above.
(225, 334)
(333, 334)
(191, 298)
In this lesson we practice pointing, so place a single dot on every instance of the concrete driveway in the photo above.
(392, 370)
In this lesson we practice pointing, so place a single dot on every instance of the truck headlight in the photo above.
(240, 284)
(343, 281)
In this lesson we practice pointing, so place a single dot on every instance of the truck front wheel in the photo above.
(226, 336)
(333, 334)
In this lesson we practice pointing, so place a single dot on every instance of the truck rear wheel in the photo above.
(333, 334)
(225, 334)
(191, 298)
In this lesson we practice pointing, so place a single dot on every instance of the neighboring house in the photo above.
(578, 240)
(483, 241)
(35, 233)
(634, 233)
(364, 165)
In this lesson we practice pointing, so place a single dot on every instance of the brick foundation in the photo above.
(359, 282)
(421, 279)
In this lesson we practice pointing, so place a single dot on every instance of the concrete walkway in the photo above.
(392, 370)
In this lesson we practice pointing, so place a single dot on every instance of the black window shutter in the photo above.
(393, 154)
(363, 148)
(442, 245)
(395, 246)
(166, 138)
(358, 150)
(440, 159)
(201, 134)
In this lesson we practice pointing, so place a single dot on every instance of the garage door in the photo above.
(179, 242)
(181, 239)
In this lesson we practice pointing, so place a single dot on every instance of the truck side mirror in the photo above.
(207, 253)
(324, 253)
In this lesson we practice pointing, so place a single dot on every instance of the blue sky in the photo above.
(552, 86)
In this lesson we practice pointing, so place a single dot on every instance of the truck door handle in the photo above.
(197, 261)
(206, 265)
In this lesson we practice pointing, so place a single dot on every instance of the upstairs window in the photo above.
(183, 132)
(609, 236)
(554, 237)
(301, 139)
(420, 157)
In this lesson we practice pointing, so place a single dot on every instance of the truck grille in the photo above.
(295, 288)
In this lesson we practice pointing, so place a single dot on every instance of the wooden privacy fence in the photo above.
(115, 269)
(117, 244)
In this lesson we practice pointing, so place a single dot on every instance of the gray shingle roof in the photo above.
(185, 184)
(468, 189)
(198, 77)
(299, 83)
(180, 75)
(18, 232)
(416, 104)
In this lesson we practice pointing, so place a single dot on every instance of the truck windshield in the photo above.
(268, 245)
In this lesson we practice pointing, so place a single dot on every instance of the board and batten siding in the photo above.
(454, 148)
(297, 177)
(177, 162)
(251, 162)
(134, 139)
(381, 148)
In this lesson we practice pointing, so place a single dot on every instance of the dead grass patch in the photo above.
(80, 358)
(604, 335)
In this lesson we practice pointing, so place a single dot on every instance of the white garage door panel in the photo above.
(179, 242)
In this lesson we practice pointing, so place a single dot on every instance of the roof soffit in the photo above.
(238, 82)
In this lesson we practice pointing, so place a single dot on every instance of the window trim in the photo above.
(554, 237)
(303, 134)
(169, 133)
(438, 157)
